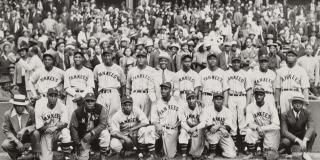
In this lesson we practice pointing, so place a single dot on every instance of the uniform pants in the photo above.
(48, 139)
(104, 141)
(111, 101)
(197, 142)
(271, 139)
(142, 101)
(237, 105)
(284, 100)
(10, 146)
(226, 143)
(71, 106)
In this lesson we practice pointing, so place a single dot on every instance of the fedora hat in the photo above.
(298, 98)
(19, 99)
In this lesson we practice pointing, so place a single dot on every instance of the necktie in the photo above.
(297, 117)
(163, 77)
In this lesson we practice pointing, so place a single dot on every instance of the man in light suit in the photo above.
(19, 128)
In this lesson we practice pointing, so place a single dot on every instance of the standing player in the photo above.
(140, 84)
(265, 78)
(45, 78)
(127, 128)
(263, 123)
(239, 97)
(291, 79)
(111, 80)
(188, 79)
(191, 116)
(78, 81)
(52, 120)
(219, 128)
(213, 80)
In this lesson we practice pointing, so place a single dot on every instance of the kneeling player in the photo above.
(127, 128)
(218, 130)
(191, 116)
(263, 123)
(88, 127)
(52, 121)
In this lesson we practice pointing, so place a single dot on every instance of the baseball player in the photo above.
(140, 84)
(218, 130)
(52, 120)
(265, 78)
(239, 96)
(78, 81)
(111, 80)
(291, 79)
(191, 116)
(127, 128)
(88, 126)
(213, 80)
(187, 79)
(45, 78)
(263, 123)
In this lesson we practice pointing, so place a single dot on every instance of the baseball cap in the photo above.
(293, 52)
(107, 52)
(47, 55)
(89, 96)
(258, 89)
(186, 56)
(219, 94)
(263, 57)
(141, 53)
(78, 53)
(166, 84)
(52, 91)
(190, 93)
(126, 99)
(211, 55)
(236, 58)
(272, 44)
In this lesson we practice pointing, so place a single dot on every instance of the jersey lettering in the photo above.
(221, 120)
(141, 76)
(264, 79)
(262, 114)
(49, 78)
(290, 77)
(238, 78)
(78, 76)
(186, 78)
(51, 116)
(213, 77)
(129, 120)
(110, 74)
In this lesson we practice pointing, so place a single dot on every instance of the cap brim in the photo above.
(234, 59)
(18, 103)
(90, 98)
(125, 101)
(163, 85)
(302, 100)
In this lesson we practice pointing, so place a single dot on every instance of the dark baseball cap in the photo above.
(166, 84)
(126, 99)
(89, 96)
(236, 58)
(215, 95)
(47, 55)
(186, 56)
(264, 57)
(52, 91)
(141, 53)
(107, 52)
(190, 94)
(258, 89)
(211, 55)
(78, 53)
(293, 52)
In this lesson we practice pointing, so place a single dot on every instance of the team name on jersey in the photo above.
(219, 119)
(51, 116)
(186, 78)
(78, 76)
(170, 107)
(213, 77)
(262, 114)
(141, 76)
(49, 78)
(192, 116)
(238, 78)
(129, 120)
(290, 77)
(110, 74)
(263, 79)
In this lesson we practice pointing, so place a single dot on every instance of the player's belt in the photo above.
(167, 127)
(267, 92)
(209, 93)
(140, 91)
(237, 95)
(79, 91)
(105, 90)
(183, 92)
(291, 89)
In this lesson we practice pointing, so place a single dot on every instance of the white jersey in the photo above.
(187, 80)
(239, 82)
(44, 79)
(50, 117)
(191, 118)
(79, 79)
(219, 118)
(140, 79)
(109, 77)
(123, 123)
(266, 115)
(292, 78)
(166, 113)
(264, 79)
(213, 81)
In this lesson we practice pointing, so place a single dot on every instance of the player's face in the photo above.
(259, 96)
(218, 101)
(191, 102)
(90, 104)
(291, 58)
(19, 109)
(272, 49)
(163, 63)
(212, 61)
(186, 64)
(165, 91)
(107, 58)
(236, 65)
(141, 60)
(297, 105)
(78, 59)
(263, 65)
(52, 99)
(127, 108)
(48, 61)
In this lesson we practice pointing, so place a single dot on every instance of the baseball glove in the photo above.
(270, 154)
(192, 122)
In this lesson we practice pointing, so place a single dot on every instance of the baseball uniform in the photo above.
(267, 118)
(212, 82)
(77, 82)
(110, 79)
(45, 116)
(43, 80)
(187, 81)
(266, 80)
(141, 83)
(222, 118)
(239, 84)
(290, 81)
(189, 119)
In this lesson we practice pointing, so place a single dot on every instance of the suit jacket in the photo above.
(11, 126)
(59, 61)
(291, 129)
(4, 65)
(95, 61)
(222, 61)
